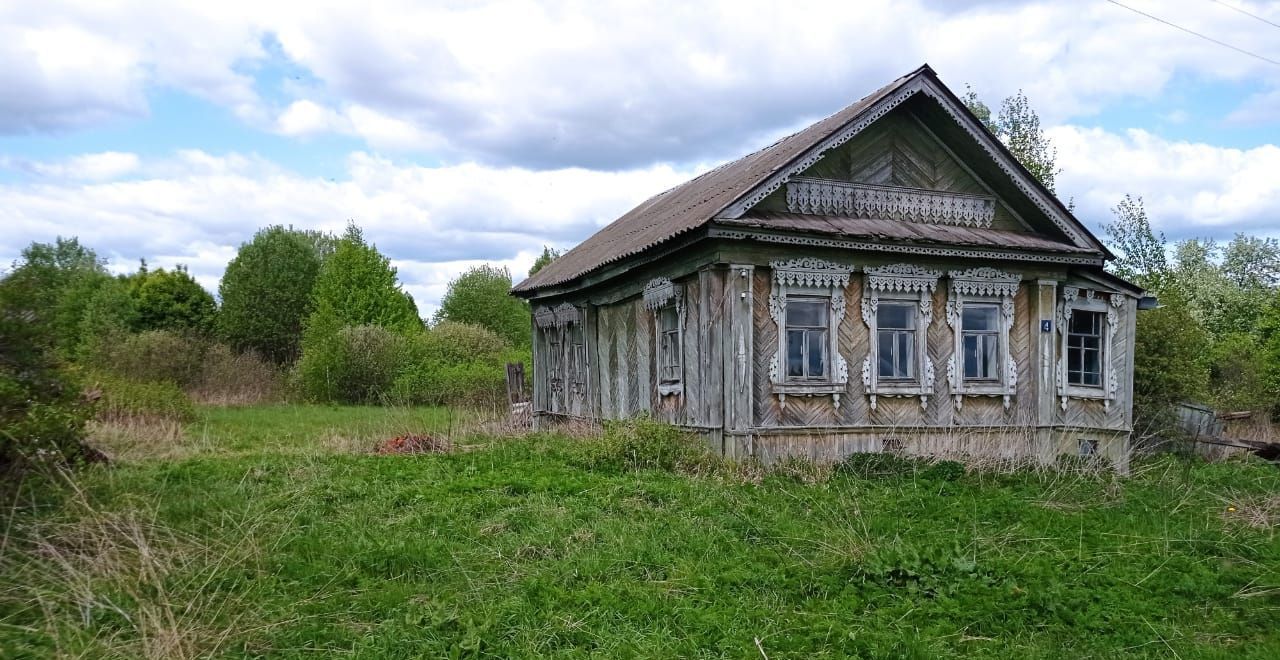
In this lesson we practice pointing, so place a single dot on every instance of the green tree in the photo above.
(1018, 127)
(548, 255)
(266, 293)
(482, 296)
(1252, 263)
(1169, 364)
(1140, 251)
(172, 300)
(356, 286)
(109, 315)
(51, 282)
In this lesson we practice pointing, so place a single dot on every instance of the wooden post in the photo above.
(739, 347)
(515, 383)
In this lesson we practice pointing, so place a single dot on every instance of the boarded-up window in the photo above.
(669, 344)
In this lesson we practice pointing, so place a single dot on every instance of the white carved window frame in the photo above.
(809, 278)
(899, 283)
(1109, 304)
(661, 293)
(982, 286)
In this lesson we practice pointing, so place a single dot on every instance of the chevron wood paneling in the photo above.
(767, 411)
(855, 345)
(894, 151)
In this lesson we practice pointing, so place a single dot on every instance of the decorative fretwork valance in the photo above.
(810, 272)
(984, 281)
(658, 292)
(903, 278)
(558, 316)
(831, 197)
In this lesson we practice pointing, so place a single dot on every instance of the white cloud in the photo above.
(1190, 189)
(607, 84)
(195, 208)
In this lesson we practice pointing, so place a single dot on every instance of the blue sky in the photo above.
(462, 133)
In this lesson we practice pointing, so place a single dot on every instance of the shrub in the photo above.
(645, 444)
(356, 365)
(878, 465)
(154, 356)
(125, 400)
(455, 364)
(231, 378)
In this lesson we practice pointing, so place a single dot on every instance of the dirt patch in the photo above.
(413, 443)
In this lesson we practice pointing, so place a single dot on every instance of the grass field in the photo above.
(273, 531)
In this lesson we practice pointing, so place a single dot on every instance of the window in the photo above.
(807, 303)
(577, 363)
(1084, 348)
(1086, 322)
(896, 323)
(807, 338)
(669, 344)
(666, 300)
(897, 307)
(980, 342)
(980, 311)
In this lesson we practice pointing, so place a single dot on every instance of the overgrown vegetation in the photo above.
(277, 532)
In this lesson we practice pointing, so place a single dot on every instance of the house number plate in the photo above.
(1046, 325)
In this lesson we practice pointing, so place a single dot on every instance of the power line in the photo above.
(1264, 58)
(1249, 14)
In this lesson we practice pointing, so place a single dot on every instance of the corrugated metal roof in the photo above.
(693, 203)
(898, 230)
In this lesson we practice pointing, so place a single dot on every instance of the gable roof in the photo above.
(730, 190)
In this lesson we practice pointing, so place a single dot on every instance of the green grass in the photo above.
(266, 537)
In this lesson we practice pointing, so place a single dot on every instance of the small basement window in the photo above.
(1084, 348)
(1088, 447)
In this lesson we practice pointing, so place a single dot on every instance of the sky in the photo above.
(461, 132)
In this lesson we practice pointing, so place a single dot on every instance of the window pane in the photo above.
(971, 356)
(886, 354)
(667, 318)
(906, 354)
(897, 316)
(817, 353)
(795, 353)
(1086, 323)
(989, 362)
(806, 313)
(978, 317)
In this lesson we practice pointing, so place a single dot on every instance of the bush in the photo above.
(231, 378)
(455, 364)
(154, 356)
(129, 400)
(873, 465)
(645, 444)
(356, 365)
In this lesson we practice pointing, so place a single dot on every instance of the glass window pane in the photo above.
(885, 349)
(906, 354)
(978, 317)
(896, 316)
(806, 313)
(989, 357)
(667, 318)
(795, 353)
(971, 355)
(817, 353)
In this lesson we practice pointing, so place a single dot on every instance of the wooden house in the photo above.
(887, 279)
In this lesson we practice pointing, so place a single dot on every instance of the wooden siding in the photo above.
(895, 151)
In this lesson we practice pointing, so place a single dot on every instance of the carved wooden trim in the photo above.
(1021, 179)
(566, 314)
(1089, 300)
(832, 197)
(914, 250)
(658, 293)
(812, 276)
(982, 285)
(901, 282)
(544, 317)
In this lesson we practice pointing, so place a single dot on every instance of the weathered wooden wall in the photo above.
(897, 151)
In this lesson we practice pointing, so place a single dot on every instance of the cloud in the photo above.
(195, 208)
(602, 85)
(1190, 189)
(86, 167)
